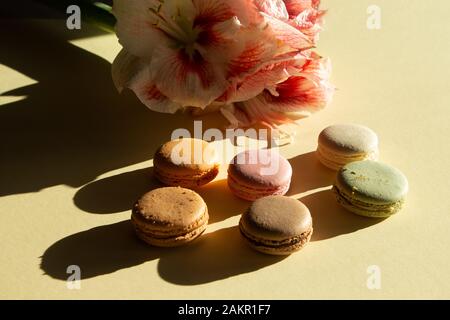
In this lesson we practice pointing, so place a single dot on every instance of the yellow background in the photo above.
(75, 155)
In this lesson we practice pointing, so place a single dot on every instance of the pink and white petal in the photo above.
(295, 98)
(210, 12)
(218, 22)
(299, 95)
(295, 7)
(220, 36)
(286, 33)
(265, 76)
(256, 49)
(306, 93)
(149, 94)
(134, 26)
(254, 84)
(255, 53)
(188, 80)
(309, 22)
(274, 8)
(177, 8)
(124, 68)
(316, 70)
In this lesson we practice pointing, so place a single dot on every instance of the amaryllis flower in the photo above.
(251, 58)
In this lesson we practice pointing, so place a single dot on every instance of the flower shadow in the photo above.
(72, 126)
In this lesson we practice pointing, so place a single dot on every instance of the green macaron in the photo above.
(372, 189)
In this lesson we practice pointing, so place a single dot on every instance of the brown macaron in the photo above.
(169, 217)
(186, 162)
(277, 225)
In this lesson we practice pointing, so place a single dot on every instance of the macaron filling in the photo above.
(335, 160)
(194, 179)
(295, 241)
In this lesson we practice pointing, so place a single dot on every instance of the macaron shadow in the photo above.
(215, 256)
(222, 204)
(117, 193)
(330, 219)
(97, 251)
(309, 174)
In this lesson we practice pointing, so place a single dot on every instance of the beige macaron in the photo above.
(277, 225)
(341, 144)
(170, 216)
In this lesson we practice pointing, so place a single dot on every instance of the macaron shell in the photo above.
(277, 218)
(349, 138)
(169, 216)
(276, 225)
(345, 143)
(260, 168)
(372, 182)
(172, 207)
(187, 156)
(188, 163)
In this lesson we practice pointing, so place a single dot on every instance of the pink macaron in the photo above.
(254, 174)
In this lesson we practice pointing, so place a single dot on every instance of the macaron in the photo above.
(186, 162)
(276, 225)
(372, 189)
(169, 217)
(344, 143)
(254, 174)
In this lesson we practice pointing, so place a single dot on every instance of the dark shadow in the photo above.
(309, 174)
(222, 204)
(332, 220)
(97, 251)
(216, 256)
(73, 126)
(117, 193)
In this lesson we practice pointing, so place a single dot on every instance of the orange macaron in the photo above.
(186, 162)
